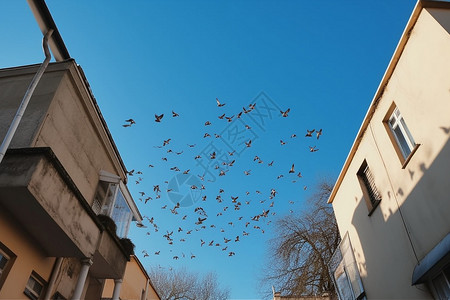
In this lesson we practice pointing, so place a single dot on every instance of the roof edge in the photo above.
(384, 81)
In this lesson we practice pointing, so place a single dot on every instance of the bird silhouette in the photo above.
(130, 122)
(285, 113)
(292, 169)
(309, 132)
(319, 133)
(219, 104)
(174, 114)
(158, 118)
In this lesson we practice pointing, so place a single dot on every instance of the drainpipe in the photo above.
(52, 281)
(146, 290)
(117, 286)
(15, 123)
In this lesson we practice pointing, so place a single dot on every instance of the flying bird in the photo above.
(313, 149)
(309, 132)
(219, 104)
(319, 133)
(130, 122)
(292, 169)
(285, 113)
(174, 114)
(158, 118)
(249, 143)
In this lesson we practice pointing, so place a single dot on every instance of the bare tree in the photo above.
(180, 284)
(304, 245)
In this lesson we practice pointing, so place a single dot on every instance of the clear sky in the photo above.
(323, 60)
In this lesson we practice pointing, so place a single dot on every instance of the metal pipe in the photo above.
(26, 98)
(52, 281)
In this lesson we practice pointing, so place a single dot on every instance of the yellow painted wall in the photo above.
(133, 284)
(28, 258)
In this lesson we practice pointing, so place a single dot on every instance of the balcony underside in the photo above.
(34, 193)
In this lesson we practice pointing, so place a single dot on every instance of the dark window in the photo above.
(7, 258)
(34, 287)
(368, 187)
(441, 283)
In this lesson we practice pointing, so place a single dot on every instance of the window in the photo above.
(441, 284)
(368, 187)
(7, 258)
(401, 134)
(345, 273)
(58, 296)
(111, 200)
(34, 287)
(3, 261)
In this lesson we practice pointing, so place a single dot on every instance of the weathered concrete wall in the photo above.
(61, 115)
(13, 85)
(419, 87)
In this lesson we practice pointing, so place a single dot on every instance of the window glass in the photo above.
(110, 201)
(3, 261)
(442, 286)
(402, 142)
(33, 288)
(121, 215)
(401, 133)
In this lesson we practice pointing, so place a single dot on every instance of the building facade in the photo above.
(391, 199)
(65, 209)
(136, 283)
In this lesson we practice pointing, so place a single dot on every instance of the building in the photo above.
(277, 296)
(136, 283)
(391, 198)
(62, 183)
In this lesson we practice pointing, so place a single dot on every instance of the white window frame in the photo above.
(29, 290)
(396, 121)
(345, 273)
(121, 188)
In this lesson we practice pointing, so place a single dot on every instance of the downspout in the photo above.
(51, 283)
(18, 117)
(146, 290)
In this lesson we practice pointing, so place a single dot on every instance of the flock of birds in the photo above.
(231, 206)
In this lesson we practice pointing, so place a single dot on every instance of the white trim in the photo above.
(126, 194)
(109, 177)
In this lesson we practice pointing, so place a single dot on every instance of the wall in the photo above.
(29, 257)
(389, 243)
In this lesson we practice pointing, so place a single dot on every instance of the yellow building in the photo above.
(136, 284)
(62, 183)
(391, 199)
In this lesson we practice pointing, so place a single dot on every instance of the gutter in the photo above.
(45, 22)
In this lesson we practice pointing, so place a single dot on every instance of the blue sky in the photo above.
(322, 59)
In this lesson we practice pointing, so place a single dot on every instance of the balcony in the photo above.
(40, 196)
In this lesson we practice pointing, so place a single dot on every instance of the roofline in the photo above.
(45, 22)
(145, 273)
(384, 81)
